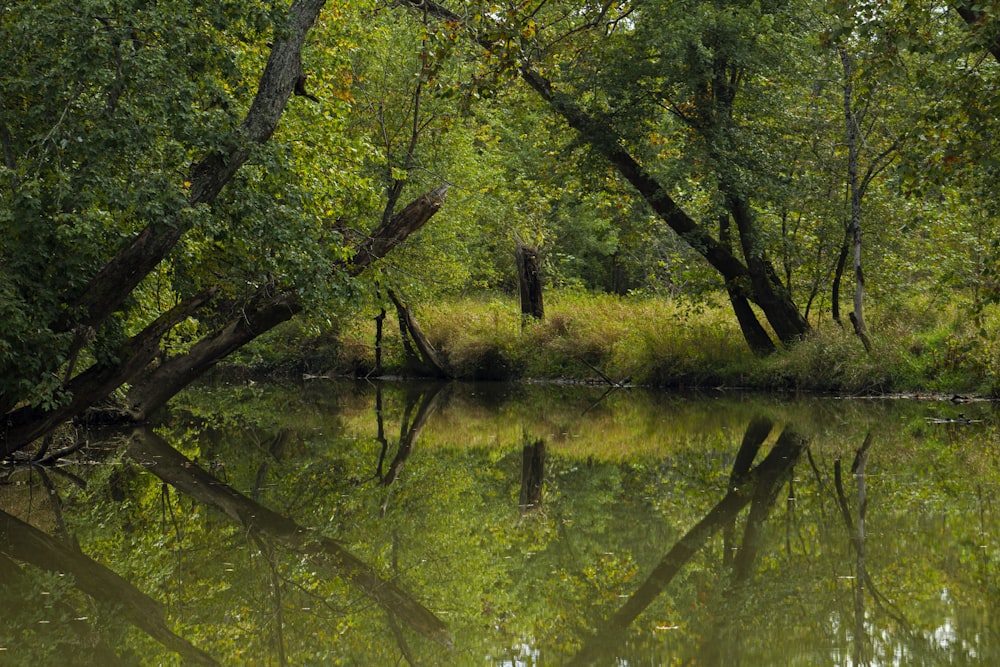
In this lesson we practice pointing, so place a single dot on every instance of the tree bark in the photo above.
(977, 20)
(160, 385)
(765, 289)
(838, 276)
(855, 188)
(754, 334)
(269, 310)
(756, 337)
(425, 360)
(397, 229)
(529, 280)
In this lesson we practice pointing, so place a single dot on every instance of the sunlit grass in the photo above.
(918, 346)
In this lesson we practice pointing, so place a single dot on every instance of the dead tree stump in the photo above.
(529, 277)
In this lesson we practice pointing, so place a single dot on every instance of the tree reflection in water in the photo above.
(289, 531)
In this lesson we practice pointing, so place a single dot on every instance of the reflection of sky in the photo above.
(888, 652)
(522, 655)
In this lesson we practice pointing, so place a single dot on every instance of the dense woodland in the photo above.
(181, 178)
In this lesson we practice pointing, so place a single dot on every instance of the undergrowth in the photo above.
(667, 342)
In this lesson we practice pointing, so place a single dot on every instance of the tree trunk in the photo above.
(765, 286)
(397, 229)
(425, 359)
(975, 17)
(756, 281)
(758, 340)
(268, 311)
(838, 276)
(529, 280)
(754, 334)
(110, 287)
(163, 382)
(379, 321)
(24, 425)
(853, 134)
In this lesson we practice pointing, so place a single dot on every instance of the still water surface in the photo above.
(404, 524)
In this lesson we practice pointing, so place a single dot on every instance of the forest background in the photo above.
(777, 194)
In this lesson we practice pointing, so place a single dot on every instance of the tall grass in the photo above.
(918, 347)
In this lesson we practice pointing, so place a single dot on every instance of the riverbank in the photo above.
(655, 341)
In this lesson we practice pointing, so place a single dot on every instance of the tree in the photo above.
(617, 94)
(866, 131)
(139, 156)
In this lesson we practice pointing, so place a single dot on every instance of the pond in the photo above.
(412, 524)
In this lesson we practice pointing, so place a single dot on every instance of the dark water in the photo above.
(536, 525)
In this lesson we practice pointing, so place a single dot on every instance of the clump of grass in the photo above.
(674, 343)
(477, 338)
(579, 334)
(829, 358)
(917, 347)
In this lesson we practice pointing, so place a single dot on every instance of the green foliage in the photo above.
(103, 107)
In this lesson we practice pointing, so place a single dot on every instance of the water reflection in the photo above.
(450, 524)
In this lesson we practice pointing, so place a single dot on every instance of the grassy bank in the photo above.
(918, 346)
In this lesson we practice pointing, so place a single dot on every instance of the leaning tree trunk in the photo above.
(27, 424)
(397, 229)
(105, 293)
(159, 386)
(529, 280)
(424, 359)
(152, 391)
(838, 276)
(754, 334)
(765, 286)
